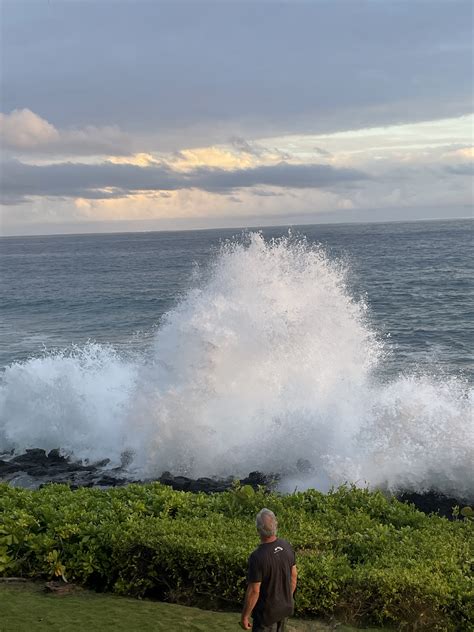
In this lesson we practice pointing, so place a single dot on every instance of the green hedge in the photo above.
(361, 557)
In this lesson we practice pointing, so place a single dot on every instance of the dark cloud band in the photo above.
(20, 181)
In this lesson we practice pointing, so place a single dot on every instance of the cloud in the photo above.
(461, 169)
(283, 174)
(23, 129)
(109, 180)
(244, 146)
(258, 150)
(320, 151)
(26, 132)
(195, 76)
(189, 159)
(465, 152)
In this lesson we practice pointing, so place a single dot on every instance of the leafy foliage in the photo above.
(361, 556)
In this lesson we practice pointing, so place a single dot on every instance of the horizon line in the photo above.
(242, 228)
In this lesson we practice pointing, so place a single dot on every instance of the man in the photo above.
(271, 579)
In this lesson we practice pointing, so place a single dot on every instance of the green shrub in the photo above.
(361, 556)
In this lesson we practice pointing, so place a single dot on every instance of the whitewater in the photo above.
(267, 363)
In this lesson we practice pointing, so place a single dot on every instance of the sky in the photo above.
(121, 115)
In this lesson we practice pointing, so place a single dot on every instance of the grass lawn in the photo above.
(25, 607)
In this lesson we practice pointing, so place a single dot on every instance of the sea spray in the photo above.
(268, 363)
(254, 362)
(73, 399)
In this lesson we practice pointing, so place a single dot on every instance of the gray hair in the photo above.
(266, 523)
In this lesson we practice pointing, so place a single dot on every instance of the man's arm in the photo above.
(294, 578)
(251, 598)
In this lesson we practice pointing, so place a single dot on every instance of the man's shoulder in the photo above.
(286, 549)
(256, 555)
(270, 548)
(284, 543)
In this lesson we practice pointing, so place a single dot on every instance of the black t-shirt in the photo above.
(271, 565)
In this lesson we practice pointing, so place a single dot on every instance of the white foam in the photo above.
(267, 364)
(75, 400)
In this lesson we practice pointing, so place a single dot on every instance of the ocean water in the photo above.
(326, 353)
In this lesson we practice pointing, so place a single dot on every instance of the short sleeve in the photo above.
(254, 570)
(293, 556)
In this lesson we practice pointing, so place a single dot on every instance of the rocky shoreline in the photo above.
(36, 468)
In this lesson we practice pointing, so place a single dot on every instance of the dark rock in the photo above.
(433, 502)
(34, 455)
(257, 479)
(182, 483)
(126, 458)
(109, 481)
(37, 470)
(207, 485)
(215, 485)
(102, 463)
(6, 467)
(23, 480)
(304, 466)
(65, 468)
(166, 478)
(54, 456)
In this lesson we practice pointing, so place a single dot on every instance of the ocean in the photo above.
(328, 353)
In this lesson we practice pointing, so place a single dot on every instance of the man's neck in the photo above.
(268, 540)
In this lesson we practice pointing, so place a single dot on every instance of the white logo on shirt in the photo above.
(277, 549)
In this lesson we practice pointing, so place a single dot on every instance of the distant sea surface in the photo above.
(114, 289)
